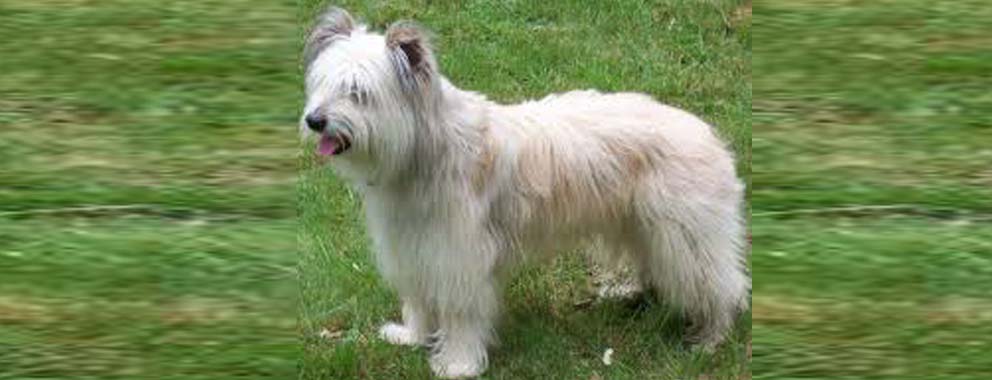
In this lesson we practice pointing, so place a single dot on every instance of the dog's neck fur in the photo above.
(455, 129)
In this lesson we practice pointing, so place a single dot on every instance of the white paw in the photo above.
(400, 335)
(455, 369)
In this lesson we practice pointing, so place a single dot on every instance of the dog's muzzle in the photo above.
(333, 142)
(335, 138)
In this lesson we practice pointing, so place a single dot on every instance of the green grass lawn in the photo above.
(184, 112)
(186, 109)
(868, 104)
(149, 166)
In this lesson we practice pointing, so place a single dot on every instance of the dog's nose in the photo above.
(316, 122)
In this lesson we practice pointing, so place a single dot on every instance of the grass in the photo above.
(691, 54)
(188, 110)
(877, 103)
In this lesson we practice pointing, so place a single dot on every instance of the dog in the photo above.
(458, 188)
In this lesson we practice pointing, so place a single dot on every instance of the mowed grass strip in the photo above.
(139, 296)
(872, 105)
(147, 179)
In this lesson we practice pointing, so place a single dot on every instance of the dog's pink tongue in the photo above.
(328, 146)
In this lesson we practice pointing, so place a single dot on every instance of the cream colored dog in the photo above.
(457, 187)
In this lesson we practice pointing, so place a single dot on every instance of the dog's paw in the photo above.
(704, 343)
(702, 347)
(400, 335)
(446, 368)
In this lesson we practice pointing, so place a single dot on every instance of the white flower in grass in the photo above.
(608, 357)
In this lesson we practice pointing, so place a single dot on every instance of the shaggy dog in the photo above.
(457, 187)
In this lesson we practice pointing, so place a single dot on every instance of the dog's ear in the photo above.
(412, 51)
(333, 23)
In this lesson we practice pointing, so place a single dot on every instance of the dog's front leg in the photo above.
(466, 328)
(418, 324)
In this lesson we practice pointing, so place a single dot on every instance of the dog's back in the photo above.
(571, 160)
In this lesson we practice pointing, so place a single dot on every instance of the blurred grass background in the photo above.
(872, 103)
(147, 179)
(184, 113)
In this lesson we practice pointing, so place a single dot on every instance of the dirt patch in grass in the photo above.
(961, 43)
(960, 311)
(744, 12)
(38, 5)
(773, 309)
(182, 311)
(18, 310)
(198, 311)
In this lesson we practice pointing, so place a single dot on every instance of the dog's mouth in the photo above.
(333, 144)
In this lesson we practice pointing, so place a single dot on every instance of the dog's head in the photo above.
(367, 93)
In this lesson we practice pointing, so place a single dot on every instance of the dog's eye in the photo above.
(359, 96)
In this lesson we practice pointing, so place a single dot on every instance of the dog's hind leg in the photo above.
(694, 260)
